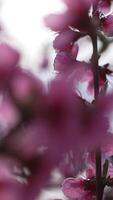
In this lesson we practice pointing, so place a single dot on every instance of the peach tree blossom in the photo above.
(44, 128)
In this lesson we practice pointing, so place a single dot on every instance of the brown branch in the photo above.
(99, 189)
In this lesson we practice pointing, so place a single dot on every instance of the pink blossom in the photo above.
(33, 137)
(75, 16)
(9, 116)
(74, 188)
(107, 25)
(59, 22)
(64, 62)
(77, 188)
(104, 6)
(65, 39)
(40, 168)
(10, 187)
(9, 57)
(25, 87)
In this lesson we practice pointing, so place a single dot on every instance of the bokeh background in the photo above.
(22, 21)
(22, 26)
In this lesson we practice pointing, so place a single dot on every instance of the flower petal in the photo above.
(73, 188)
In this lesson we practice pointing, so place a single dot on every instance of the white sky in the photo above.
(23, 22)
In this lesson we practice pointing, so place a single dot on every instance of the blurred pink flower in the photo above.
(107, 23)
(9, 57)
(79, 188)
(9, 116)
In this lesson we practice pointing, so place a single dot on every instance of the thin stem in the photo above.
(95, 66)
(99, 192)
(99, 189)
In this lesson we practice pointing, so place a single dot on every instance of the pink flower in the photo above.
(79, 188)
(64, 61)
(64, 40)
(59, 22)
(9, 116)
(107, 24)
(33, 135)
(73, 188)
(104, 6)
(67, 65)
(75, 16)
(25, 88)
(9, 57)
(10, 187)
(40, 168)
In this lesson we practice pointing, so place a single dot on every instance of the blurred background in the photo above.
(22, 25)
(22, 22)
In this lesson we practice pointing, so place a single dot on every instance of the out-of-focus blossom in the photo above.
(65, 39)
(79, 187)
(9, 57)
(75, 16)
(83, 186)
(74, 188)
(10, 186)
(68, 66)
(104, 6)
(107, 24)
(31, 136)
(25, 88)
(9, 116)
(40, 169)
